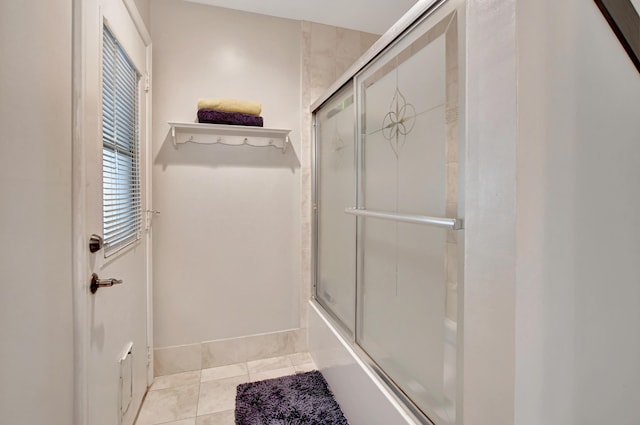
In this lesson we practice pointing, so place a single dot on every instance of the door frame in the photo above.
(80, 279)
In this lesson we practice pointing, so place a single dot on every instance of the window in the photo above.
(120, 147)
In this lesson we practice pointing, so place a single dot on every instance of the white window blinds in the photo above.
(120, 147)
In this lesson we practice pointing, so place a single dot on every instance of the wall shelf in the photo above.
(235, 135)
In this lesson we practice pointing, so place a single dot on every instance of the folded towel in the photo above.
(234, 118)
(231, 105)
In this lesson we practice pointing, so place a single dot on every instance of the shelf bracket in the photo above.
(285, 145)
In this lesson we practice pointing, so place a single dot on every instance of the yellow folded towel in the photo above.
(230, 105)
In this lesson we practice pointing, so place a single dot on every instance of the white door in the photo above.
(114, 99)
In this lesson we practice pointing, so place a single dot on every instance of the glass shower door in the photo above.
(335, 191)
(408, 168)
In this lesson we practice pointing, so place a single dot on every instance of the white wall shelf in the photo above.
(235, 135)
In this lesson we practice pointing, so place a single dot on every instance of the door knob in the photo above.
(96, 283)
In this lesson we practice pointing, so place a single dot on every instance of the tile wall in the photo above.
(208, 354)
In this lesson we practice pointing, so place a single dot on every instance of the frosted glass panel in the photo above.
(335, 149)
(408, 120)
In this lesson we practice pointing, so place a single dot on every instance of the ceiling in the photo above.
(375, 16)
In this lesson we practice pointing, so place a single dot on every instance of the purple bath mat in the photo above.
(301, 399)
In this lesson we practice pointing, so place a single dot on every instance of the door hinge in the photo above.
(148, 355)
(149, 217)
(147, 82)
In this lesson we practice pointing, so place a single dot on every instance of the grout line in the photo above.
(198, 399)
(177, 420)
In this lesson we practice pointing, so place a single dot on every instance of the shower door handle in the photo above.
(452, 223)
(97, 283)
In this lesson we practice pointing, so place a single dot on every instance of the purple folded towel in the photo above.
(213, 116)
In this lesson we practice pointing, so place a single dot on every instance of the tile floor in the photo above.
(207, 397)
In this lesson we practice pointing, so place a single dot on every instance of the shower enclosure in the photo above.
(388, 234)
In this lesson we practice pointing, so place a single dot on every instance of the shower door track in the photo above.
(402, 400)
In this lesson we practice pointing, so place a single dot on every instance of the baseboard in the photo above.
(208, 354)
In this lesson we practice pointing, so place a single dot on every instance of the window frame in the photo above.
(120, 146)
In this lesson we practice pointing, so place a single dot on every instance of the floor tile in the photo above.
(300, 358)
(265, 365)
(207, 397)
(175, 380)
(270, 374)
(239, 369)
(219, 395)
(228, 417)
(168, 405)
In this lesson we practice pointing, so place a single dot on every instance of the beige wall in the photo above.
(36, 330)
(144, 8)
(487, 299)
(551, 294)
(227, 242)
(578, 280)
(234, 220)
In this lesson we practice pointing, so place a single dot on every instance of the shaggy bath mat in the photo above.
(301, 399)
